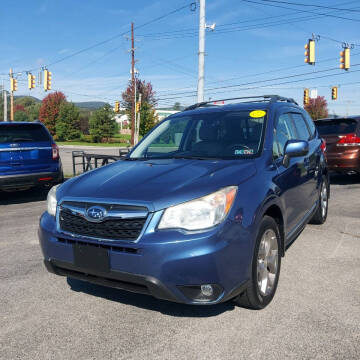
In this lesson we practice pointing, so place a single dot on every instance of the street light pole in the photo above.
(201, 71)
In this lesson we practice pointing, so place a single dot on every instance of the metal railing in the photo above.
(90, 161)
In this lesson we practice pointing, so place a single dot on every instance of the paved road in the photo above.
(66, 154)
(315, 313)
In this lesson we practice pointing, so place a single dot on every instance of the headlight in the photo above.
(51, 201)
(201, 213)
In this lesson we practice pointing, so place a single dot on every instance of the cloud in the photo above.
(117, 12)
(63, 51)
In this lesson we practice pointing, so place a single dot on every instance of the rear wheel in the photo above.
(265, 267)
(322, 209)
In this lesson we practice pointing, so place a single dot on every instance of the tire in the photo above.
(259, 294)
(322, 209)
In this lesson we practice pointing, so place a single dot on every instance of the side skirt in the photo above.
(296, 231)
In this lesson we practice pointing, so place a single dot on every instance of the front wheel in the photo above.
(322, 209)
(265, 267)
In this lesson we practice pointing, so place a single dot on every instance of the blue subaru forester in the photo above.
(202, 209)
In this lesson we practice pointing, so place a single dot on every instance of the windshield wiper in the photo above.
(195, 157)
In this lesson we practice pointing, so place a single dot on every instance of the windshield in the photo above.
(336, 126)
(231, 134)
(19, 133)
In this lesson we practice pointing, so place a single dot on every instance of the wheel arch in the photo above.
(274, 211)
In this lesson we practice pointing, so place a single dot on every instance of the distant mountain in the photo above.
(31, 97)
(91, 105)
(88, 105)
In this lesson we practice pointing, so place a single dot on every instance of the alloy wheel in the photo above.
(267, 262)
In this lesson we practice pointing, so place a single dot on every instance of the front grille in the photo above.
(112, 229)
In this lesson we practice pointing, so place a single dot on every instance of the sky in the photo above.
(257, 48)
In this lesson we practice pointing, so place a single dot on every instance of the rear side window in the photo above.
(301, 127)
(23, 133)
(310, 124)
(336, 126)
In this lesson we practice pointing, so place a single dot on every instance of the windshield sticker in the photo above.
(244, 152)
(257, 114)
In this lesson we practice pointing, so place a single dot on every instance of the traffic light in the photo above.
(13, 84)
(47, 80)
(31, 81)
(138, 104)
(334, 93)
(310, 52)
(306, 96)
(345, 59)
(117, 106)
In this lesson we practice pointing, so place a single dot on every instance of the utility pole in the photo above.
(5, 103)
(138, 120)
(133, 86)
(201, 71)
(11, 100)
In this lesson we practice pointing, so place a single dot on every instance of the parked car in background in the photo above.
(202, 209)
(342, 136)
(28, 156)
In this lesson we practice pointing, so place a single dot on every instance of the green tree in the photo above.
(177, 106)
(21, 116)
(102, 124)
(33, 111)
(49, 111)
(68, 123)
(148, 118)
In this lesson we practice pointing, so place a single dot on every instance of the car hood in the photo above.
(157, 183)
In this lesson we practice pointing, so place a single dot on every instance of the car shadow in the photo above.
(340, 179)
(148, 302)
(24, 196)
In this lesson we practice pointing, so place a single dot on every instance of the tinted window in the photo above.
(310, 124)
(230, 134)
(336, 126)
(283, 131)
(23, 133)
(301, 128)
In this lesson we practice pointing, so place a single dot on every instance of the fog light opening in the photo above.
(207, 290)
(202, 293)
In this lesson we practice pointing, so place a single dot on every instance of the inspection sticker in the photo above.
(244, 152)
(257, 114)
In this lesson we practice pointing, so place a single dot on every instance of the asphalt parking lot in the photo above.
(315, 313)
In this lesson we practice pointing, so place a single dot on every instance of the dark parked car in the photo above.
(342, 136)
(202, 209)
(28, 156)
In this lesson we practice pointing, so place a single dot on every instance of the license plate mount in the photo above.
(92, 258)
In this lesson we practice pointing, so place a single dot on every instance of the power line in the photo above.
(310, 5)
(112, 38)
(305, 11)
(256, 87)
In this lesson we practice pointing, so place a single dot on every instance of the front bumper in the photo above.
(160, 264)
(20, 181)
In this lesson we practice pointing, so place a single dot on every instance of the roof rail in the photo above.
(269, 98)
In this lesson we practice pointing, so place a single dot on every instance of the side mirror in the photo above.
(295, 148)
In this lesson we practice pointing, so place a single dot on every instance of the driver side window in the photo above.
(283, 131)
